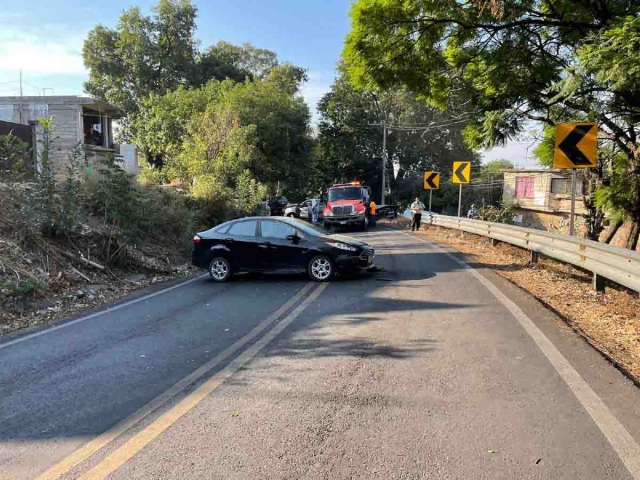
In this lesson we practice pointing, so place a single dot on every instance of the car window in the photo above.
(271, 229)
(311, 230)
(247, 228)
(222, 228)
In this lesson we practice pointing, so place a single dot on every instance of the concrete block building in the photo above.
(544, 197)
(76, 119)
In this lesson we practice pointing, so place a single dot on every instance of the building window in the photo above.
(524, 187)
(562, 186)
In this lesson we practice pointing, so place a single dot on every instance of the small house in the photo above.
(544, 197)
(76, 120)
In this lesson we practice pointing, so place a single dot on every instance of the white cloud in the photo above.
(40, 55)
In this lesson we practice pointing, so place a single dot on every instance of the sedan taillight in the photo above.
(196, 241)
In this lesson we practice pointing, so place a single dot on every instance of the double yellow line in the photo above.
(120, 456)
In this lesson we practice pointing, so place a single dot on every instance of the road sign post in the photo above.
(431, 183)
(576, 147)
(461, 175)
(573, 203)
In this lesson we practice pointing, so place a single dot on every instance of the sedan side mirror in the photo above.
(293, 238)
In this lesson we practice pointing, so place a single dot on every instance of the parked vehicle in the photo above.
(387, 211)
(260, 244)
(346, 206)
(292, 210)
(277, 205)
(304, 208)
(263, 209)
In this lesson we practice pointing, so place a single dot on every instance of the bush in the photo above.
(22, 288)
(71, 192)
(41, 205)
(15, 159)
(504, 213)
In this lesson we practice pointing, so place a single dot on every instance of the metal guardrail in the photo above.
(619, 265)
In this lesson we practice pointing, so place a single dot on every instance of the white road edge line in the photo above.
(616, 434)
(101, 312)
(93, 446)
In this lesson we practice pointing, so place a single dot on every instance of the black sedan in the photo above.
(259, 244)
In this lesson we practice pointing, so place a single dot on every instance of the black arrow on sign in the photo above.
(569, 145)
(460, 172)
(430, 179)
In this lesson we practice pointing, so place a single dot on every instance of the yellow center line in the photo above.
(96, 444)
(123, 454)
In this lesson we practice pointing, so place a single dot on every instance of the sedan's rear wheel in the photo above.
(220, 269)
(290, 215)
(320, 268)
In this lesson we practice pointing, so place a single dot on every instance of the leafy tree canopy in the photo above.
(158, 53)
(513, 61)
(419, 138)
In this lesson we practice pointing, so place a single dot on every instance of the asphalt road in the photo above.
(425, 370)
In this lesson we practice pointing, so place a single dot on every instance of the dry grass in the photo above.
(610, 321)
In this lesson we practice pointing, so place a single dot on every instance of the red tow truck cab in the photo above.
(346, 205)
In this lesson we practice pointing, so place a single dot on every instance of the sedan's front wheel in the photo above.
(220, 269)
(320, 268)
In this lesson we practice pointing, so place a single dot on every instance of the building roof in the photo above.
(96, 104)
(536, 170)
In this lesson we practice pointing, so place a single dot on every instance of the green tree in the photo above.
(143, 54)
(419, 138)
(494, 168)
(161, 124)
(512, 62)
(225, 60)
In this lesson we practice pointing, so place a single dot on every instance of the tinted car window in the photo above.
(312, 230)
(222, 228)
(247, 228)
(276, 230)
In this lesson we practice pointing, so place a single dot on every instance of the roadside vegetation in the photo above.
(505, 64)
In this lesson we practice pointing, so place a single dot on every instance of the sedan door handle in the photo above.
(264, 245)
(228, 240)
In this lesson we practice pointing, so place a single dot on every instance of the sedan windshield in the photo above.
(345, 193)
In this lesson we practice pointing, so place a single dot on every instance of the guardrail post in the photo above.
(598, 283)
(494, 242)
(534, 257)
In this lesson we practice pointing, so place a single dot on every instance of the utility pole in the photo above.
(384, 159)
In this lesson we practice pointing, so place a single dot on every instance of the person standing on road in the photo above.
(416, 214)
(372, 213)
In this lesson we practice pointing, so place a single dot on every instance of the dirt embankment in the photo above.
(609, 321)
(37, 289)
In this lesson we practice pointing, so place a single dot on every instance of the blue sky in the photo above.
(44, 38)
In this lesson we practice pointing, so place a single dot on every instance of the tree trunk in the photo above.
(593, 219)
(627, 235)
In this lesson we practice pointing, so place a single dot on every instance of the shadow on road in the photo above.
(348, 304)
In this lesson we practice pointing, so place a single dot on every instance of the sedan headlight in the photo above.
(343, 246)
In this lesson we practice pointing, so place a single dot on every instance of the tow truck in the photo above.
(346, 205)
